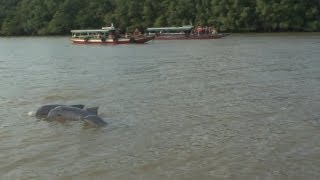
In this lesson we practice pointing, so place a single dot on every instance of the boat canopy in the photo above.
(109, 28)
(91, 31)
(182, 28)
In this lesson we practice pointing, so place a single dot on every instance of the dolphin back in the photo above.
(80, 106)
(70, 113)
(43, 111)
(66, 113)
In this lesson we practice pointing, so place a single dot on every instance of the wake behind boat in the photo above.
(106, 35)
(184, 33)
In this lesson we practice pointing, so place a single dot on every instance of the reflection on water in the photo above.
(246, 106)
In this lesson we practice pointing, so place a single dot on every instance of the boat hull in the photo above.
(142, 40)
(132, 40)
(183, 37)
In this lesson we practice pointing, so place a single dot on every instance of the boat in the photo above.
(106, 35)
(184, 33)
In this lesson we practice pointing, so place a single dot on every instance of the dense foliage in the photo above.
(40, 17)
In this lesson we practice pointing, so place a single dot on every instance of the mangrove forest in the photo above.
(58, 17)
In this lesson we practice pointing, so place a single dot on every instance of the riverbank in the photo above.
(242, 33)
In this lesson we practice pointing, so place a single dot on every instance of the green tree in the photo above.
(39, 17)
(65, 17)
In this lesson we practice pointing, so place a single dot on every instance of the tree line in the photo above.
(55, 17)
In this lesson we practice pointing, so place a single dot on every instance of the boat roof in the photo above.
(90, 31)
(182, 28)
(109, 28)
(102, 30)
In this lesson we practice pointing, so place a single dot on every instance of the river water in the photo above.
(243, 107)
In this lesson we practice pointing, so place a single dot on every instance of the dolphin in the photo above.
(43, 111)
(94, 121)
(68, 113)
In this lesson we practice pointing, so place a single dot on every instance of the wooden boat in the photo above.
(184, 33)
(106, 35)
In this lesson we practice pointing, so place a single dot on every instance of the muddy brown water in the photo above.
(243, 107)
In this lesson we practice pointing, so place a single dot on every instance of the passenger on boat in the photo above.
(206, 29)
(214, 31)
(137, 32)
(199, 30)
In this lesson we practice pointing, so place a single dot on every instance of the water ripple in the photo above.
(244, 107)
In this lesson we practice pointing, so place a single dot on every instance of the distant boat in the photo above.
(106, 35)
(184, 33)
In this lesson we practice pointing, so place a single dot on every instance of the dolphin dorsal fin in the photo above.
(93, 110)
(80, 106)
